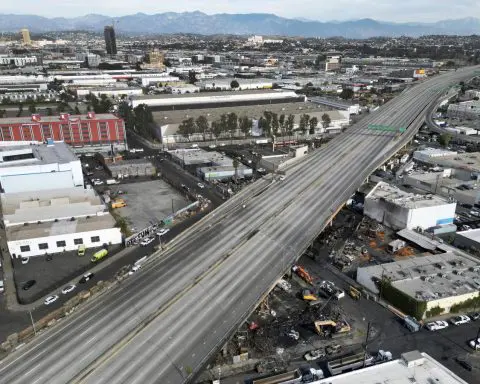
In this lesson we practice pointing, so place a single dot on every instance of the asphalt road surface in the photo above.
(165, 323)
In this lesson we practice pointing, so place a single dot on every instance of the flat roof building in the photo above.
(398, 209)
(87, 131)
(412, 367)
(34, 167)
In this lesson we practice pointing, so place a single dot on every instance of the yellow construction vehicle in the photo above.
(118, 203)
(354, 293)
(329, 328)
(309, 295)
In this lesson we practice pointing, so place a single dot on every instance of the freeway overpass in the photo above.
(163, 324)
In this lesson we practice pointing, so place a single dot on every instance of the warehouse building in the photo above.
(224, 84)
(36, 167)
(50, 231)
(130, 168)
(109, 91)
(198, 156)
(466, 110)
(468, 239)
(440, 280)
(412, 367)
(216, 99)
(92, 131)
(432, 155)
(224, 172)
(398, 209)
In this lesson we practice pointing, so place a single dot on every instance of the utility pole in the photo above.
(366, 344)
(173, 211)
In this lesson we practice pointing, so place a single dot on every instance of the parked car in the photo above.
(293, 334)
(2, 287)
(51, 299)
(314, 355)
(474, 316)
(282, 178)
(69, 288)
(163, 231)
(147, 241)
(134, 269)
(201, 186)
(25, 260)
(436, 325)
(465, 364)
(88, 276)
(29, 284)
(462, 319)
(475, 344)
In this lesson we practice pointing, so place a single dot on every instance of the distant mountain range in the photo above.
(239, 24)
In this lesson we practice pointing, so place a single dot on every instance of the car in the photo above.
(465, 364)
(51, 299)
(475, 344)
(25, 260)
(98, 182)
(436, 325)
(282, 178)
(88, 276)
(134, 269)
(147, 241)
(29, 284)
(201, 186)
(163, 231)
(458, 320)
(293, 334)
(261, 170)
(2, 287)
(69, 288)
(474, 316)
(314, 355)
(333, 349)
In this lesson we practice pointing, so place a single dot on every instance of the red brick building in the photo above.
(78, 131)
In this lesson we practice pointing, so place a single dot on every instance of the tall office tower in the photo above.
(110, 41)
(26, 36)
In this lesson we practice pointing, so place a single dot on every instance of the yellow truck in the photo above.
(118, 203)
(81, 250)
(99, 255)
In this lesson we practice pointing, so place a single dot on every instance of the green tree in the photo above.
(224, 123)
(245, 125)
(192, 77)
(126, 113)
(281, 123)
(20, 110)
(32, 109)
(144, 121)
(444, 139)
(347, 93)
(235, 164)
(268, 123)
(187, 128)
(202, 125)
(232, 123)
(313, 124)
(217, 129)
(49, 111)
(304, 119)
(234, 84)
(262, 124)
(3, 113)
(275, 124)
(289, 125)
(326, 120)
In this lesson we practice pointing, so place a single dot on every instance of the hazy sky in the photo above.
(324, 10)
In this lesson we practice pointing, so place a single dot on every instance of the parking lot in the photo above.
(51, 274)
(148, 202)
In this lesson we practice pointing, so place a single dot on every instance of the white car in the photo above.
(293, 334)
(314, 355)
(134, 269)
(282, 178)
(147, 241)
(201, 186)
(69, 288)
(462, 319)
(51, 299)
(98, 182)
(163, 231)
(475, 344)
(25, 260)
(436, 325)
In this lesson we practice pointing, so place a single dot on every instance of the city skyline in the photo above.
(386, 10)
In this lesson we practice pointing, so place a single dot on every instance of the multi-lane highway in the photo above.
(162, 325)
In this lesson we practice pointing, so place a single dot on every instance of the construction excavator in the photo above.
(330, 328)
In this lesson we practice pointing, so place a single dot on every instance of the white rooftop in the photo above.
(393, 194)
(413, 367)
(21, 155)
(200, 156)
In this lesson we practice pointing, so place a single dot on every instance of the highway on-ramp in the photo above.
(164, 323)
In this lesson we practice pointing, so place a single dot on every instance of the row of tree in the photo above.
(139, 119)
(270, 123)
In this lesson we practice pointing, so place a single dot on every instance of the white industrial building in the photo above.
(19, 61)
(429, 155)
(224, 172)
(466, 110)
(37, 167)
(53, 221)
(399, 209)
(216, 98)
(225, 84)
(440, 280)
(412, 367)
(112, 92)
